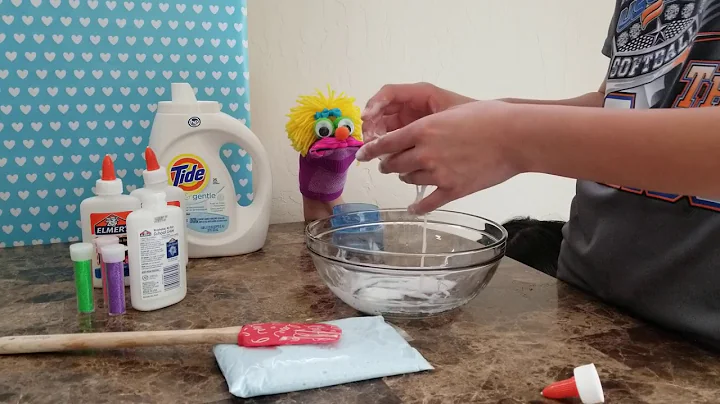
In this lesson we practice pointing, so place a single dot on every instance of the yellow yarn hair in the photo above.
(301, 126)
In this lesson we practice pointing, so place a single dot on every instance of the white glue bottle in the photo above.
(155, 240)
(188, 136)
(156, 180)
(106, 215)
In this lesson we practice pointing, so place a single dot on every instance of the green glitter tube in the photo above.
(81, 255)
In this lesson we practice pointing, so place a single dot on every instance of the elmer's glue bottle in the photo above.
(156, 238)
(156, 180)
(106, 214)
(188, 136)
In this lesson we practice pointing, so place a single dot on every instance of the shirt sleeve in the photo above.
(608, 46)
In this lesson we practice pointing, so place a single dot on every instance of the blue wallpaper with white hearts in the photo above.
(81, 78)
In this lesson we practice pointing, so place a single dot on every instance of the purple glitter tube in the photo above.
(114, 258)
(101, 242)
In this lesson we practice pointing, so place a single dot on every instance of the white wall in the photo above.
(481, 48)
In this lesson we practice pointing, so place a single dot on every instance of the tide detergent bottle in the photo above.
(187, 136)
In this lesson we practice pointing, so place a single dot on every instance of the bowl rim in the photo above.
(406, 271)
(494, 245)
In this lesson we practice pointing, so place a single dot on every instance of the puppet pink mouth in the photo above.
(327, 146)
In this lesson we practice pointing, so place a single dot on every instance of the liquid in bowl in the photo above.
(462, 255)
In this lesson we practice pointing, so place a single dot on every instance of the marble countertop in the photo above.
(522, 332)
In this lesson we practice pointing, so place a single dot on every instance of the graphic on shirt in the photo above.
(702, 85)
(652, 65)
(652, 38)
(647, 10)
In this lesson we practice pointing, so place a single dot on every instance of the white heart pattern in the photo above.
(83, 79)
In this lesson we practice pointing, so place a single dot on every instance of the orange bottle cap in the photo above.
(108, 169)
(108, 184)
(585, 384)
(151, 162)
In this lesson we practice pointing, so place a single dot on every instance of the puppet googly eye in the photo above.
(348, 123)
(324, 128)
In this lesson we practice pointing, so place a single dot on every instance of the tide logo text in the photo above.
(188, 173)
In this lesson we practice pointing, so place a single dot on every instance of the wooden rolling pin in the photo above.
(250, 335)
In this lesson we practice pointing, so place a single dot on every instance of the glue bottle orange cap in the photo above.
(108, 169)
(151, 160)
(585, 384)
(108, 184)
(154, 173)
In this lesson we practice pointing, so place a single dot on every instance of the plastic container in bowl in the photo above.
(373, 260)
(369, 236)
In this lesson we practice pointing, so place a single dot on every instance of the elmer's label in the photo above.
(110, 224)
(207, 199)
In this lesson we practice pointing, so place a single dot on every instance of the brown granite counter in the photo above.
(523, 331)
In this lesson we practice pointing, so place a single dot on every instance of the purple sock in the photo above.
(323, 175)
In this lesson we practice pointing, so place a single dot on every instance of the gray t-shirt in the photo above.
(655, 254)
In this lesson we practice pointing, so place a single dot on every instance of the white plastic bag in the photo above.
(369, 348)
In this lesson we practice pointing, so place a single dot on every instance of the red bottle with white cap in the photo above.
(585, 384)
(106, 214)
(156, 180)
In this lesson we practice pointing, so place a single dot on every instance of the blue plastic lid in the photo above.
(350, 214)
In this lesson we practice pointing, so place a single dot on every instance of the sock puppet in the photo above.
(326, 131)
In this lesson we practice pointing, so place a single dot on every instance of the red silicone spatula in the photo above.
(250, 335)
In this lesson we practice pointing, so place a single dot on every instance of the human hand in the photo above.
(461, 150)
(397, 105)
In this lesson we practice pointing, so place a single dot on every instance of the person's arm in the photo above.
(593, 99)
(662, 150)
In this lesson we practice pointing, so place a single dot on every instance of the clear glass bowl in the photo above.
(375, 262)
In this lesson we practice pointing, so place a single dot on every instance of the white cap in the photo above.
(106, 240)
(154, 174)
(81, 252)
(588, 384)
(106, 188)
(113, 253)
(153, 199)
(154, 177)
(184, 102)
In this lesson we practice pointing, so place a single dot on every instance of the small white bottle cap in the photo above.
(153, 199)
(81, 252)
(113, 253)
(588, 384)
(154, 174)
(155, 177)
(102, 241)
(107, 188)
